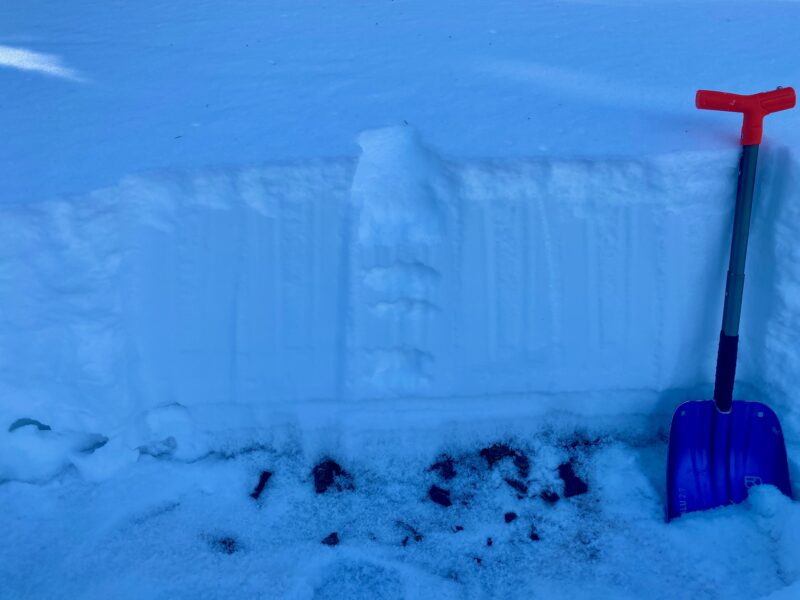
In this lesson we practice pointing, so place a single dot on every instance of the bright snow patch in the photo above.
(28, 60)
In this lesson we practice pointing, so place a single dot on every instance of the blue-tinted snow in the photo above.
(243, 236)
(201, 83)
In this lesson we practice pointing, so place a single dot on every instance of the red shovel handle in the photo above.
(754, 107)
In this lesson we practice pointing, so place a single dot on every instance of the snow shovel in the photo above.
(720, 448)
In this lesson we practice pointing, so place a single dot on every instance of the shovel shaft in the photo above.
(741, 232)
(734, 286)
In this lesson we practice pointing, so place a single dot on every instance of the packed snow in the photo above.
(384, 300)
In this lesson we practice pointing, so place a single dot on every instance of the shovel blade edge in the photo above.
(715, 458)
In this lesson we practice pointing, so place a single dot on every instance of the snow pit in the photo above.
(514, 334)
(269, 288)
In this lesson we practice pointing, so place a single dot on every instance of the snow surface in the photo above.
(165, 528)
(193, 83)
(238, 237)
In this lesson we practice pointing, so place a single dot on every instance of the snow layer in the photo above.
(399, 276)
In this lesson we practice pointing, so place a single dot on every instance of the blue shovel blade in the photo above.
(715, 458)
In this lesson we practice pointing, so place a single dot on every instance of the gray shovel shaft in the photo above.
(741, 230)
(729, 336)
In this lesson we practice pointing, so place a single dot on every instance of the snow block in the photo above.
(106, 461)
(401, 266)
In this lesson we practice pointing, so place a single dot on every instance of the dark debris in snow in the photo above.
(411, 532)
(497, 452)
(445, 467)
(518, 485)
(440, 496)
(262, 483)
(522, 464)
(573, 485)
(225, 545)
(583, 441)
(329, 474)
(27, 421)
(549, 496)
(331, 540)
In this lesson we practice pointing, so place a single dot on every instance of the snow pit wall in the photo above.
(397, 275)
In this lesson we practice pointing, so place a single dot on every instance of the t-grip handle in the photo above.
(754, 108)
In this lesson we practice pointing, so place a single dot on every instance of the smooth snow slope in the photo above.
(198, 83)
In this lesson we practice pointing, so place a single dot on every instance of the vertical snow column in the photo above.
(401, 248)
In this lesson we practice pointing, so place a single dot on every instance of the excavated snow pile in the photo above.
(406, 514)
